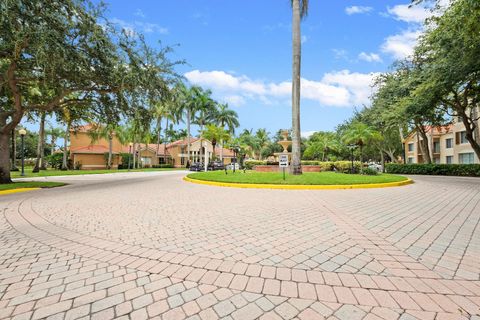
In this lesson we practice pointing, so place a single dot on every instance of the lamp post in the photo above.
(22, 133)
(129, 154)
(352, 147)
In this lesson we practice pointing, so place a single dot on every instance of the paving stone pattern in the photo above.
(140, 246)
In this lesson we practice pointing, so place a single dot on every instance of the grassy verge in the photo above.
(30, 184)
(52, 172)
(308, 178)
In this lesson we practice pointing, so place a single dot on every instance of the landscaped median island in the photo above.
(55, 172)
(308, 180)
(27, 185)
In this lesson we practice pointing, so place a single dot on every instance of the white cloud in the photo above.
(144, 27)
(370, 57)
(357, 10)
(410, 14)
(401, 45)
(338, 89)
(304, 39)
(307, 134)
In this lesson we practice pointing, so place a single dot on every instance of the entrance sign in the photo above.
(283, 160)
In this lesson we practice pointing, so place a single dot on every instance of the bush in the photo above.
(249, 164)
(168, 165)
(125, 157)
(471, 170)
(369, 172)
(55, 160)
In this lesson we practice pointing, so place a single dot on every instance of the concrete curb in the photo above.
(299, 186)
(18, 190)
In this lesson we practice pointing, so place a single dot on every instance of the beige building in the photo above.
(447, 145)
(88, 154)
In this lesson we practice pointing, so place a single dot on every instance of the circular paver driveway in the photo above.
(145, 245)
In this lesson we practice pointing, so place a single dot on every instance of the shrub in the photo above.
(125, 157)
(55, 160)
(249, 164)
(346, 166)
(168, 165)
(369, 172)
(472, 170)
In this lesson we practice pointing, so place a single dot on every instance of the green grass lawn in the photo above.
(308, 178)
(30, 184)
(53, 172)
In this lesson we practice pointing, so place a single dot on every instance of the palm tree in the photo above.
(263, 139)
(159, 112)
(107, 132)
(54, 133)
(40, 162)
(226, 117)
(186, 105)
(205, 106)
(360, 134)
(215, 134)
(250, 140)
(300, 9)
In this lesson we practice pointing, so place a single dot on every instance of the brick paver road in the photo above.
(149, 245)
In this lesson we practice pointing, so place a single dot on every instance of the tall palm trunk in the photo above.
(296, 164)
(134, 153)
(188, 134)
(40, 143)
(65, 150)
(159, 131)
(52, 143)
(110, 150)
(165, 143)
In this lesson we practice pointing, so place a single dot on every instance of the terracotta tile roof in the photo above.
(150, 146)
(437, 130)
(183, 142)
(92, 149)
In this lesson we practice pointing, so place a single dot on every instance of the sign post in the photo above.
(283, 163)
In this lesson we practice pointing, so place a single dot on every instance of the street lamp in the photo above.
(22, 133)
(352, 147)
(129, 154)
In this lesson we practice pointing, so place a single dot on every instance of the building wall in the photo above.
(83, 139)
(455, 151)
(94, 161)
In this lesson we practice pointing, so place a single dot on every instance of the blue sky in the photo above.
(241, 50)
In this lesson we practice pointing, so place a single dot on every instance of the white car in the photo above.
(375, 166)
(230, 166)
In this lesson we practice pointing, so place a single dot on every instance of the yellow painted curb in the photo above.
(10, 191)
(300, 186)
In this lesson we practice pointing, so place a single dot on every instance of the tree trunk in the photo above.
(165, 143)
(52, 142)
(134, 151)
(110, 151)
(65, 150)
(424, 144)
(221, 150)
(41, 141)
(361, 158)
(4, 159)
(382, 160)
(159, 130)
(14, 150)
(188, 135)
(296, 139)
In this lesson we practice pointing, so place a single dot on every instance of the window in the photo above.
(436, 146)
(436, 160)
(463, 137)
(465, 158)
(449, 143)
(182, 161)
(410, 159)
(410, 147)
(161, 160)
(449, 159)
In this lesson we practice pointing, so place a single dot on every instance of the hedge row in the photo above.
(325, 165)
(471, 170)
